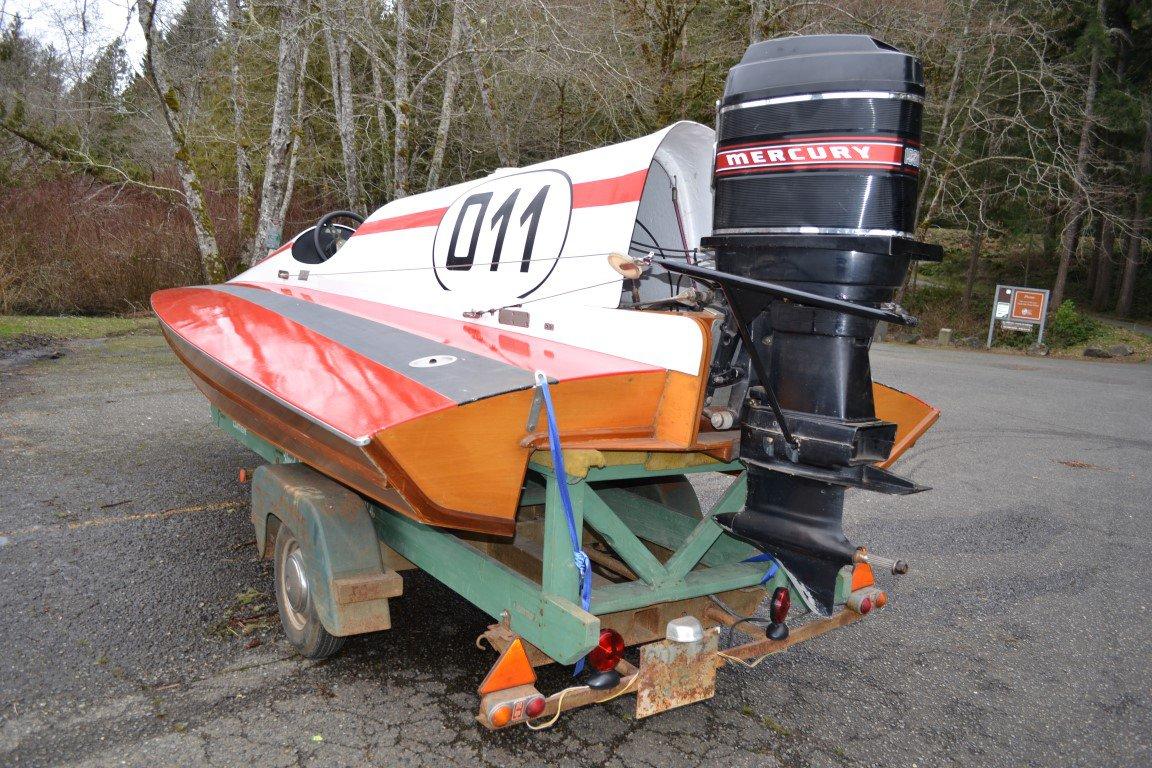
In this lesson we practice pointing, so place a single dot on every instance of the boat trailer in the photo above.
(665, 577)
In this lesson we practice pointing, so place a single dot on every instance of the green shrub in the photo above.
(1069, 327)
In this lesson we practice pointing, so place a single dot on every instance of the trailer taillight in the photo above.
(781, 603)
(608, 652)
(535, 707)
(778, 611)
(515, 705)
(866, 599)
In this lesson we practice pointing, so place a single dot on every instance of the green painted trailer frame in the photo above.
(704, 559)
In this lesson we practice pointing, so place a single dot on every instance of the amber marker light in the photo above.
(500, 715)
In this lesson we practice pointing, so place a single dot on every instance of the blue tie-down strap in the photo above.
(764, 557)
(583, 566)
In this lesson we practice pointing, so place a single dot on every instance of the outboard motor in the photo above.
(817, 161)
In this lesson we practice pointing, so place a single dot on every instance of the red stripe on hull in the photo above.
(407, 221)
(587, 194)
(328, 382)
(560, 361)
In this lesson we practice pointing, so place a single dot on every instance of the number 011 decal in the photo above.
(504, 235)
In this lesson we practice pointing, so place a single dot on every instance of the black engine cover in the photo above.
(816, 173)
(819, 133)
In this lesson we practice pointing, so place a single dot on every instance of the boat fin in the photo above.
(798, 522)
(812, 570)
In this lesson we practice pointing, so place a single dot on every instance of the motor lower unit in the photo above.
(817, 162)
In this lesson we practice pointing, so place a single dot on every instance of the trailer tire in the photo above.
(298, 614)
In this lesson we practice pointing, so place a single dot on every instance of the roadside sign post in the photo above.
(1018, 309)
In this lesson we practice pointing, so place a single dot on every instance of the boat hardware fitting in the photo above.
(434, 361)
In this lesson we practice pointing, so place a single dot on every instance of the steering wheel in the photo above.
(325, 222)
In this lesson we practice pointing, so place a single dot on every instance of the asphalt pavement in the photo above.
(136, 625)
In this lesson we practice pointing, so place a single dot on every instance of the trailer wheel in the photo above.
(675, 492)
(298, 616)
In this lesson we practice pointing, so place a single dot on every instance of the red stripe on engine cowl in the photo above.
(621, 189)
(325, 380)
(769, 157)
(586, 194)
(801, 168)
(816, 138)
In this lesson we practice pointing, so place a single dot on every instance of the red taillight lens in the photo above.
(781, 602)
(535, 707)
(865, 606)
(607, 654)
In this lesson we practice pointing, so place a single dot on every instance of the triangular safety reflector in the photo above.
(510, 670)
(862, 576)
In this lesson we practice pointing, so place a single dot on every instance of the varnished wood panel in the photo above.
(472, 458)
(912, 416)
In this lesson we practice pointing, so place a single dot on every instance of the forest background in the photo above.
(204, 132)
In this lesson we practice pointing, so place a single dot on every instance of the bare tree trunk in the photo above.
(400, 88)
(945, 126)
(561, 115)
(1102, 288)
(1094, 258)
(756, 22)
(957, 70)
(495, 125)
(1076, 208)
(245, 198)
(1139, 221)
(669, 21)
(1123, 241)
(382, 120)
(1102, 261)
(974, 254)
(270, 224)
(294, 149)
(957, 146)
(447, 104)
(1051, 230)
(1085, 218)
(340, 67)
(976, 250)
(210, 261)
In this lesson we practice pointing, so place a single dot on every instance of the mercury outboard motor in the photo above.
(817, 162)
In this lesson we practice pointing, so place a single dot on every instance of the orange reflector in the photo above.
(510, 670)
(500, 716)
(862, 576)
(881, 599)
